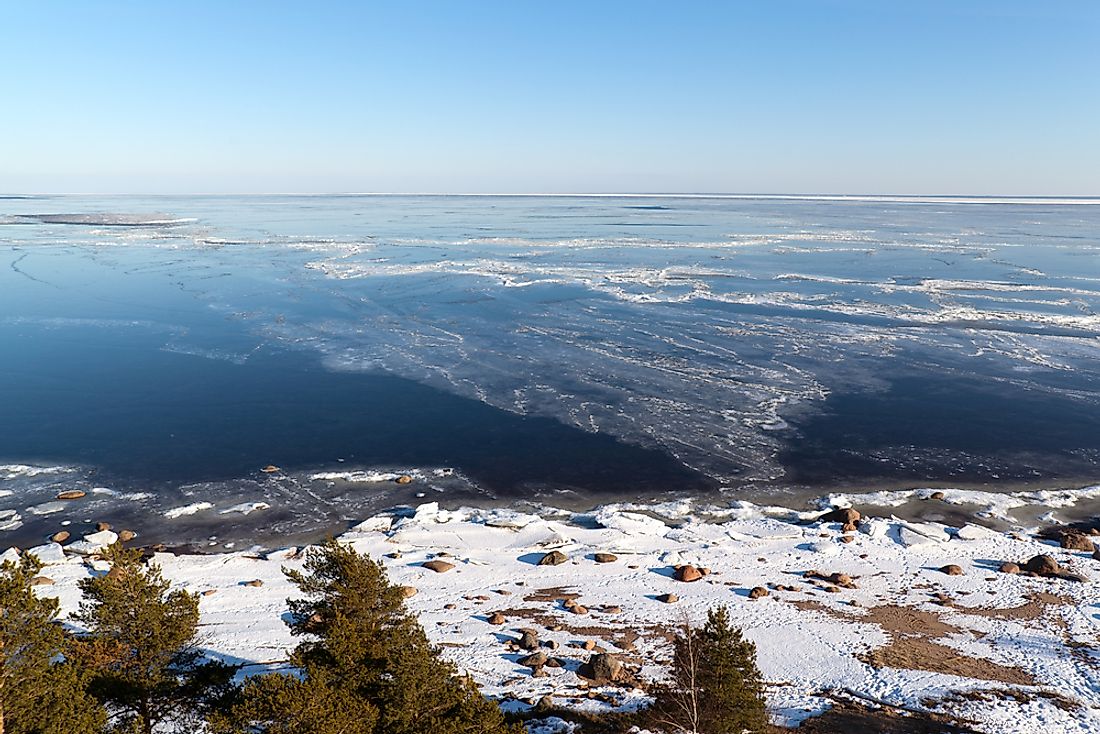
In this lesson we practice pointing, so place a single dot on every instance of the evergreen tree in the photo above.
(366, 665)
(39, 692)
(715, 686)
(141, 648)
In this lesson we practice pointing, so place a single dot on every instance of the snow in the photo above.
(187, 510)
(810, 642)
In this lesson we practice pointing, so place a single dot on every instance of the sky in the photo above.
(827, 96)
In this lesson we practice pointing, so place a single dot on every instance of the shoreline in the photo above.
(270, 509)
(869, 610)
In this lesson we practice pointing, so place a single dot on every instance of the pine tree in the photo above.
(40, 693)
(141, 648)
(715, 686)
(366, 665)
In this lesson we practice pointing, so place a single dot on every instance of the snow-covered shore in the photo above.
(1009, 652)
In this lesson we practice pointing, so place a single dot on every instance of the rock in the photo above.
(437, 566)
(578, 609)
(101, 526)
(404, 479)
(602, 667)
(553, 558)
(126, 535)
(407, 591)
(849, 527)
(270, 469)
(41, 581)
(843, 515)
(210, 592)
(952, 569)
(1043, 566)
(496, 618)
(1077, 541)
(936, 496)
(534, 660)
(255, 583)
(847, 539)
(552, 644)
(668, 598)
(1009, 567)
(71, 494)
(60, 537)
(758, 592)
(842, 579)
(605, 557)
(528, 640)
(687, 573)
(589, 645)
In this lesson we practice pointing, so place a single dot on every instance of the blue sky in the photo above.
(844, 96)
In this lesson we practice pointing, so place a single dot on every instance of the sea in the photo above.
(218, 371)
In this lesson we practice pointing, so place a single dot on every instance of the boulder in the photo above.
(60, 537)
(936, 496)
(407, 591)
(1043, 566)
(553, 558)
(270, 469)
(255, 583)
(687, 573)
(404, 479)
(71, 494)
(602, 667)
(534, 660)
(843, 515)
(1077, 541)
(668, 598)
(1009, 567)
(101, 526)
(126, 535)
(952, 569)
(437, 566)
(528, 640)
(758, 592)
(41, 581)
(605, 557)
(496, 618)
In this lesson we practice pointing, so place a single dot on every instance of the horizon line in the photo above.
(930, 198)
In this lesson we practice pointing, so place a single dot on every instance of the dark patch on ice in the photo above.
(933, 428)
(106, 219)
(119, 402)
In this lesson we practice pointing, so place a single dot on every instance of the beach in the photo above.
(885, 612)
